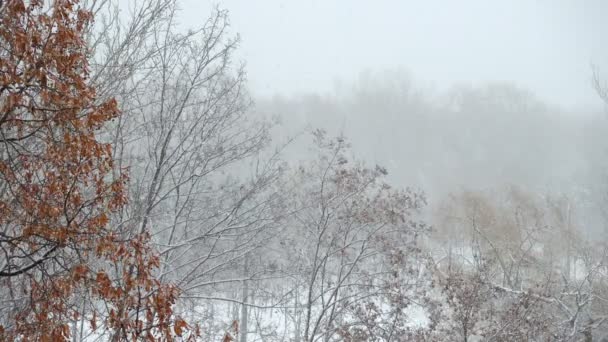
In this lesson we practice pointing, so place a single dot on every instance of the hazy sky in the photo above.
(546, 46)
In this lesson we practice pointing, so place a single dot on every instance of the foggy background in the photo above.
(446, 95)
(310, 46)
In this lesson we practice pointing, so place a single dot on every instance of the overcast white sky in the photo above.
(546, 46)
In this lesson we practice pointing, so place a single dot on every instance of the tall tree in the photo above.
(352, 237)
(58, 189)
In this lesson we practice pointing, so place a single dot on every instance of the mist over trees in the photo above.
(146, 195)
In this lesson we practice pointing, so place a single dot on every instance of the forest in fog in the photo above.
(146, 194)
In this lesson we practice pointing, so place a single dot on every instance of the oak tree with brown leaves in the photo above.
(58, 188)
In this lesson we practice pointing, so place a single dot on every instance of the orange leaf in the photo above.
(179, 326)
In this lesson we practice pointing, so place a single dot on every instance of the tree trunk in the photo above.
(245, 298)
(297, 316)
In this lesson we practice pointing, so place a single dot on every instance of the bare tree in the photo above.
(347, 227)
(202, 180)
(523, 258)
(599, 84)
